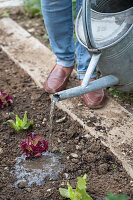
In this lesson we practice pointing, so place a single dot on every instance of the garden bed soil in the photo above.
(105, 172)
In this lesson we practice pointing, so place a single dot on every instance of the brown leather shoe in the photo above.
(95, 99)
(57, 79)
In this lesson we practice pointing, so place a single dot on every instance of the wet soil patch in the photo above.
(79, 154)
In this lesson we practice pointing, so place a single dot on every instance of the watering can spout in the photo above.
(56, 97)
(86, 85)
(98, 84)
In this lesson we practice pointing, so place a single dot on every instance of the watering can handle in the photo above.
(86, 17)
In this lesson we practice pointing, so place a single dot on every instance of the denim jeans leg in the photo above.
(83, 56)
(58, 19)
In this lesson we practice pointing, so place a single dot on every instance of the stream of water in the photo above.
(52, 108)
(51, 118)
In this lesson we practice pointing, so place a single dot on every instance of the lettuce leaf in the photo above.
(76, 194)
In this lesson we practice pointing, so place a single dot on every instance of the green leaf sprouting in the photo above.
(20, 124)
(76, 194)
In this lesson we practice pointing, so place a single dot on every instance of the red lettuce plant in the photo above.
(34, 146)
(5, 100)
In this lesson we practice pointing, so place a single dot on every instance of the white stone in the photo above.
(66, 175)
(48, 190)
(74, 155)
(31, 30)
(59, 141)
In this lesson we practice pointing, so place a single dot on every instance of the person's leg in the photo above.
(58, 21)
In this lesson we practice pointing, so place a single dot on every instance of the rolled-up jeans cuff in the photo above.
(81, 76)
(65, 63)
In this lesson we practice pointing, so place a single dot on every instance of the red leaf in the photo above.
(34, 146)
(5, 100)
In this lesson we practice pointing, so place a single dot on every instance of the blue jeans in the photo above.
(58, 19)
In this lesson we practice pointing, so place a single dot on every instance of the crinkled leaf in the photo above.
(70, 190)
(34, 146)
(38, 155)
(19, 125)
(64, 192)
(5, 100)
(26, 126)
(13, 125)
(81, 184)
(81, 187)
(36, 140)
(25, 118)
(18, 121)
(85, 177)
(76, 194)
(84, 195)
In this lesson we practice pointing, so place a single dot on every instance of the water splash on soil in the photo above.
(37, 170)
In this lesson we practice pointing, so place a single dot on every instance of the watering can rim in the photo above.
(113, 13)
(87, 26)
(106, 46)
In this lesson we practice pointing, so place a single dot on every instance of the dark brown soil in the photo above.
(105, 172)
(34, 25)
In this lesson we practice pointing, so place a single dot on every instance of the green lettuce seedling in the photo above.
(116, 197)
(20, 124)
(76, 194)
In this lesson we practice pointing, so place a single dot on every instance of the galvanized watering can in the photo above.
(105, 28)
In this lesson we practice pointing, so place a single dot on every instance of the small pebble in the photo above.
(44, 119)
(37, 125)
(80, 104)
(6, 168)
(74, 155)
(59, 141)
(68, 157)
(55, 149)
(31, 30)
(87, 136)
(78, 147)
(28, 189)
(75, 160)
(66, 175)
(22, 184)
(62, 183)
(48, 190)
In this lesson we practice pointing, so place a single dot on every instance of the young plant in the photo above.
(80, 192)
(116, 197)
(32, 7)
(5, 100)
(76, 194)
(20, 124)
(121, 95)
(34, 146)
